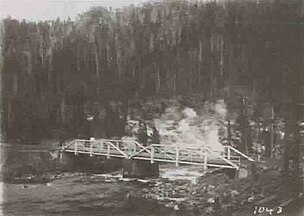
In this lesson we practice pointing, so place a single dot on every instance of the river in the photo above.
(73, 194)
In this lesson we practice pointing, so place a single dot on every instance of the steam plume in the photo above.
(193, 127)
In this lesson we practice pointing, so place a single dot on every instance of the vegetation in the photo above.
(54, 73)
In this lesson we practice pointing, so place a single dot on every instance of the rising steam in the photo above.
(188, 126)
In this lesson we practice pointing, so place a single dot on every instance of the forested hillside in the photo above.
(54, 73)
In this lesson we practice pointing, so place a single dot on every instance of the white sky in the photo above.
(34, 10)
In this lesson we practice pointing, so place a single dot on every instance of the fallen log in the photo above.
(287, 202)
(265, 200)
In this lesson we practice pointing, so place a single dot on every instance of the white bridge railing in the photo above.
(178, 153)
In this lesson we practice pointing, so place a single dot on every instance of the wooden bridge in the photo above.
(178, 153)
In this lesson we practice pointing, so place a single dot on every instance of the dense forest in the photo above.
(54, 73)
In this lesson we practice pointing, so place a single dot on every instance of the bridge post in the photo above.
(177, 155)
(108, 151)
(205, 161)
(152, 154)
(91, 148)
(76, 147)
(202, 152)
(139, 169)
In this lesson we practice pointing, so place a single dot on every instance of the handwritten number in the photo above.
(261, 209)
(255, 210)
(269, 211)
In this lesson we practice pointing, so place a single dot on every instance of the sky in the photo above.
(35, 10)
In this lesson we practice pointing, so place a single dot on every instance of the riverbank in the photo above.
(111, 194)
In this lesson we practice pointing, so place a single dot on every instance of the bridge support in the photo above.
(68, 161)
(231, 173)
(86, 163)
(140, 169)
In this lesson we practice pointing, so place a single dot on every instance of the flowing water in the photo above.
(73, 195)
(79, 194)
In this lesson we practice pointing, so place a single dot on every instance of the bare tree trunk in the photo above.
(190, 78)
(291, 147)
(144, 78)
(259, 132)
(119, 71)
(271, 132)
(9, 111)
(125, 114)
(286, 150)
(77, 63)
(297, 162)
(118, 57)
(133, 71)
(62, 108)
(174, 83)
(211, 79)
(221, 57)
(230, 69)
(96, 61)
(15, 85)
(229, 132)
(211, 42)
(254, 87)
(200, 59)
(108, 57)
(158, 80)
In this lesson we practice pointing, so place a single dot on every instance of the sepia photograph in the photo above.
(151, 107)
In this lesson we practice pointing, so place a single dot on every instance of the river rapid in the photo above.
(82, 194)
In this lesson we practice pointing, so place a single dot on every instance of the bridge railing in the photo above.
(234, 154)
(178, 153)
(97, 147)
(229, 155)
(172, 153)
(110, 147)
